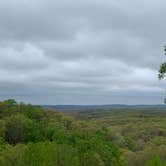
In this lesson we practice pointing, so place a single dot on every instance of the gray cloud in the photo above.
(82, 52)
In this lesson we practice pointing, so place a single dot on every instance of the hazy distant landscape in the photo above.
(102, 107)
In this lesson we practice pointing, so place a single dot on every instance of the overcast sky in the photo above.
(82, 51)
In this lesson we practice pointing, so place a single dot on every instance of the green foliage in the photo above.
(32, 136)
(162, 69)
(19, 128)
(129, 143)
(140, 134)
(14, 132)
(155, 161)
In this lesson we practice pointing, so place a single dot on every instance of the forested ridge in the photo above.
(35, 136)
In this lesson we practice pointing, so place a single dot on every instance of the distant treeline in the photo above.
(102, 107)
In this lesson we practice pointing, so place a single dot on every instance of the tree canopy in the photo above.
(162, 69)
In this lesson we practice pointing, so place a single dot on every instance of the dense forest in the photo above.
(36, 136)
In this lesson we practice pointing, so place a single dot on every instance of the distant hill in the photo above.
(101, 107)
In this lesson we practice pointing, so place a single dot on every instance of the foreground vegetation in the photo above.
(140, 134)
(33, 136)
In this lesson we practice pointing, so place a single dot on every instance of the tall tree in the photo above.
(162, 69)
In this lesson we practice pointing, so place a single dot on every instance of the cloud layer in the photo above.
(82, 52)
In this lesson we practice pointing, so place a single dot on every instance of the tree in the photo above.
(21, 129)
(10, 102)
(162, 69)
